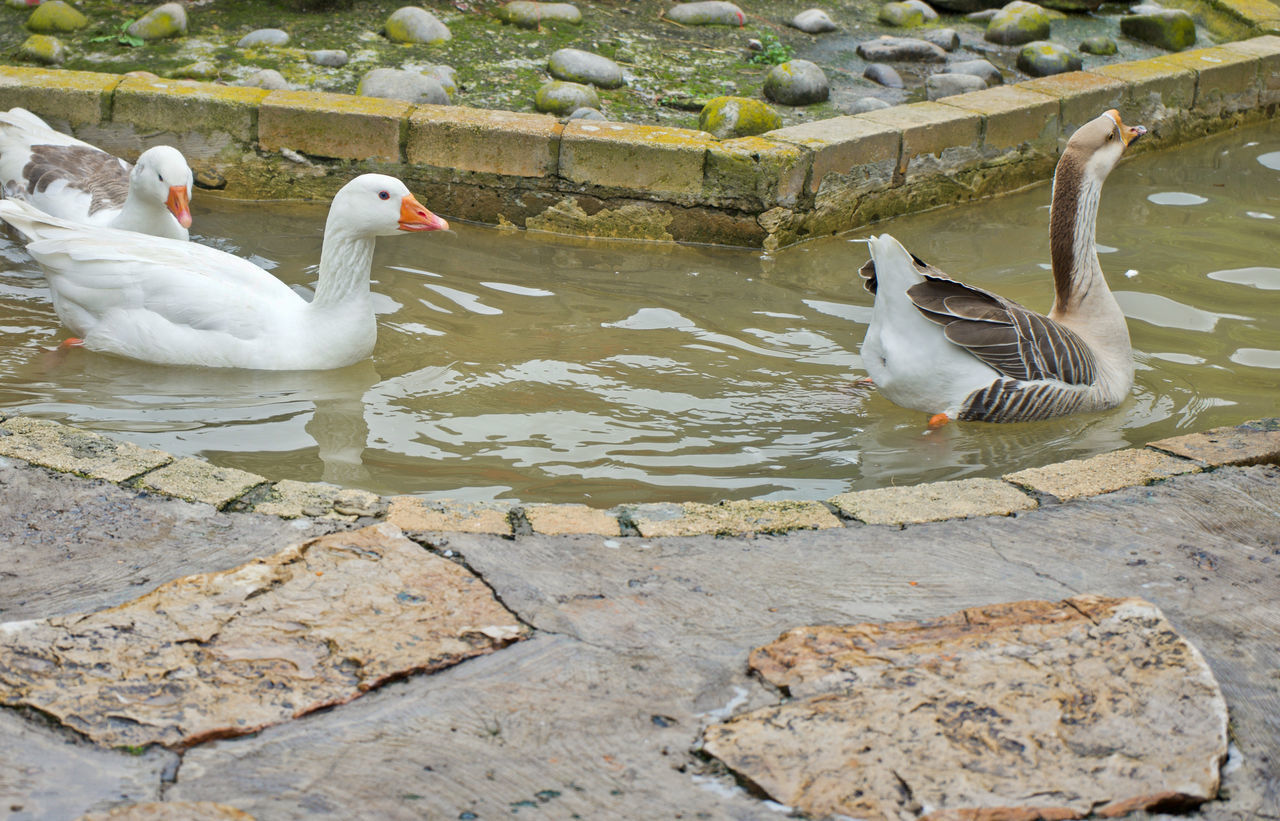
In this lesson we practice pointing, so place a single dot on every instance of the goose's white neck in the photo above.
(147, 216)
(346, 260)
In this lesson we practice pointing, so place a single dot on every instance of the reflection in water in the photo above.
(528, 367)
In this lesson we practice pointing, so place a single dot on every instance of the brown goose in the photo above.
(959, 352)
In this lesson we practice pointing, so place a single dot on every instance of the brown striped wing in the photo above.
(103, 177)
(1019, 343)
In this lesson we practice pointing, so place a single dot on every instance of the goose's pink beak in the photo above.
(414, 216)
(1128, 133)
(179, 205)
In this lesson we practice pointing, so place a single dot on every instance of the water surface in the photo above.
(536, 368)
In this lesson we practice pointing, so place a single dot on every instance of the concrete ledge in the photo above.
(729, 518)
(1013, 116)
(644, 159)
(77, 97)
(1253, 443)
(933, 502)
(1267, 50)
(183, 106)
(415, 515)
(198, 481)
(70, 450)
(1081, 96)
(1103, 473)
(502, 143)
(340, 126)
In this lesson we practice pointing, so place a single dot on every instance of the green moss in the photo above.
(56, 16)
(41, 48)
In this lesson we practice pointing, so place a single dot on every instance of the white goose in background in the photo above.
(959, 352)
(181, 303)
(71, 179)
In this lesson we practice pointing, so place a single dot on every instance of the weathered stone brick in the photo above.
(1227, 80)
(1082, 96)
(563, 520)
(78, 97)
(1102, 473)
(1267, 50)
(71, 450)
(857, 151)
(1264, 15)
(342, 126)
(936, 138)
(644, 159)
(765, 171)
(198, 481)
(933, 502)
(421, 515)
(729, 518)
(185, 106)
(1251, 443)
(1012, 116)
(492, 142)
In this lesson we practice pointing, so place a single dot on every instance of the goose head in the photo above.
(161, 175)
(1097, 145)
(378, 205)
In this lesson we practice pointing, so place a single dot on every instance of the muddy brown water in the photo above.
(537, 368)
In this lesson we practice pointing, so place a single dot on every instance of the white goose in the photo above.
(71, 179)
(940, 346)
(181, 303)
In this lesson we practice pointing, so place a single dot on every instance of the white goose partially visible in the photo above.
(71, 179)
(959, 352)
(181, 303)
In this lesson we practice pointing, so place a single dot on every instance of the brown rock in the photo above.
(1024, 710)
(223, 654)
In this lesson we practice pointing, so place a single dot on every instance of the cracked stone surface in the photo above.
(933, 502)
(1091, 704)
(199, 481)
(228, 653)
(47, 443)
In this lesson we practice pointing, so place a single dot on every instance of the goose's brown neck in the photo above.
(1072, 222)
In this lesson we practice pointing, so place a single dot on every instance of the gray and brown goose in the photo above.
(68, 178)
(959, 352)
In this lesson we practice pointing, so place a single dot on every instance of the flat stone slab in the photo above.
(199, 481)
(422, 515)
(170, 811)
(934, 502)
(224, 654)
(291, 499)
(1252, 443)
(1103, 473)
(729, 518)
(565, 520)
(1033, 709)
(69, 450)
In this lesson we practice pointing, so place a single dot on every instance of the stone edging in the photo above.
(63, 448)
(647, 182)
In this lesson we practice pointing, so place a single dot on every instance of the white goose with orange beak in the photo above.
(959, 352)
(181, 303)
(71, 179)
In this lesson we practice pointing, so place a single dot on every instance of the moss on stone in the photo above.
(56, 16)
(42, 48)
(737, 117)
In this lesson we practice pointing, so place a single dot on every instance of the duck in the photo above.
(172, 302)
(72, 179)
(959, 352)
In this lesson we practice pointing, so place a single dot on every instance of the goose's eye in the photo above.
(161, 176)
(383, 195)
(1111, 136)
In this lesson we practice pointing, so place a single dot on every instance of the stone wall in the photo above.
(645, 182)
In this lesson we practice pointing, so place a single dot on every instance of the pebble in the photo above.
(901, 15)
(983, 16)
(264, 37)
(560, 97)
(813, 21)
(267, 78)
(1099, 45)
(446, 76)
(977, 68)
(168, 20)
(400, 84)
(725, 117)
(56, 16)
(579, 66)
(528, 14)
(885, 75)
(586, 113)
(1169, 29)
(44, 49)
(796, 83)
(901, 50)
(1043, 58)
(329, 57)
(938, 86)
(948, 39)
(864, 104)
(1017, 23)
(412, 24)
(707, 13)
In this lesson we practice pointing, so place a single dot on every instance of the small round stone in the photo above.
(977, 68)
(947, 39)
(938, 86)
(209, 180)
(267, 78)
(585, 113)
(900, 15)
(796, 82)
(579, 66)
(1169, 29)
(44, 49)
(412, 24)
(56, 16)
(864, 104)
(445, 75)
(885, 75)
(264, 37)
(707, 13)
(726, 117)
(813, 21)
(1098, 45)
(901, 50)
(1040, 59)
(1017, 23)
(399, 84)
(168, 20)
(529, 14)
(560, 97)
(329, 57)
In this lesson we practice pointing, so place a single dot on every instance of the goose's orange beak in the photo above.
(179, 205)
(414, 216)
(1128, 133)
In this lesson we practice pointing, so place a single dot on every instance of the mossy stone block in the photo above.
(56, 16)
(78, 97)
(1169, 29)
(850, 149)
(644, 159)
(185, 106)
(755, 170)
(1014, 117)
(340, 126)
(1082, 96)
(929, 128)
(505, 143)
(1267, 50)
(1228, 80)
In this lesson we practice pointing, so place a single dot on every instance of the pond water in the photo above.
(541, 369)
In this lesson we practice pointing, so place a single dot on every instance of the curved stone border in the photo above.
(63, 448)
(647, 182)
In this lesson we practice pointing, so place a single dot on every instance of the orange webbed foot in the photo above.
(72, 342)
(938, 420)
(864, 382)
